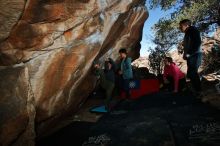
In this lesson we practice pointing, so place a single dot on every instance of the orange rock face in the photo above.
(53, 45)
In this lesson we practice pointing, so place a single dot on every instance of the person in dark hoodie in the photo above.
(107, 79)
(192, 53)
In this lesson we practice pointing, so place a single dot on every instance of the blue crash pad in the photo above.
(99, 109)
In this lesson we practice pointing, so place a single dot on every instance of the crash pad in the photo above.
(99, 109)
(142, 87)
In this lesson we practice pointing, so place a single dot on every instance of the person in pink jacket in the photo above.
(173, 77)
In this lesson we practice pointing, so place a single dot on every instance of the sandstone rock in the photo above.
(141, 62)
(17, 108)
(56, 43)
(10, 13)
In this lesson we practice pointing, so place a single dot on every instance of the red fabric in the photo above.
(147, 86)
(173, 71)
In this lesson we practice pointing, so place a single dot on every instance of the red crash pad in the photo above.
(147, 86)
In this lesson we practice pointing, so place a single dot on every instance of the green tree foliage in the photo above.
(156, 60)
(211, 60)
(202, 13)
(164, 4)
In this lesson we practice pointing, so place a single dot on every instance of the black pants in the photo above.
(170, 85)
(193, 64)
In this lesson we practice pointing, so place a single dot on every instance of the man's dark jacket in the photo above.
(192, 41)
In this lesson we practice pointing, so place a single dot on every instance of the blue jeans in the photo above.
(124, 85)
(193, 64)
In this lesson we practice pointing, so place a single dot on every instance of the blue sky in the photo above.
(154, 16)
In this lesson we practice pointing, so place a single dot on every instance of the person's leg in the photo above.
(126, 87)
(170, 85)
(193, 64)
(119, 85)
(108, 86)
(109, 91)
(182, 84)
(102, 79)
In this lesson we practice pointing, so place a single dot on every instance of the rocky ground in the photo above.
(211, 90)
(161, 119)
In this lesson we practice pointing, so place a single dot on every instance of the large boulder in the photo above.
(17, 109)
(47, 49)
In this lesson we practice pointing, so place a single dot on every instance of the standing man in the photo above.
(192, 53)
(125, 71)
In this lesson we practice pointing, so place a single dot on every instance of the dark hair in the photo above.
(107, 61)
(186, 22)
(169, 59)
(123, 50)
(144, 69)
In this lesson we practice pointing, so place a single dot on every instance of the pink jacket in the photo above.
(173, 71)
